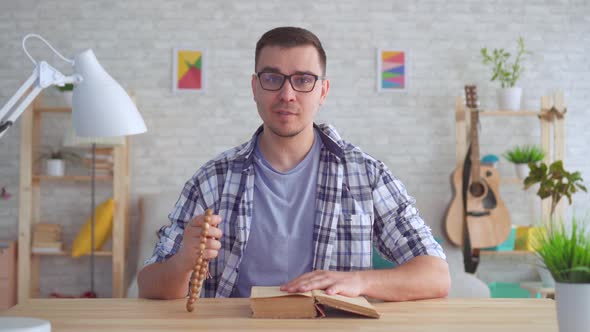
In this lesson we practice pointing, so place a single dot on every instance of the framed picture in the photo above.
(188, 72)
(392, 70)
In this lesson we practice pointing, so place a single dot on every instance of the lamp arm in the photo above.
(43, 76)
(8, 107)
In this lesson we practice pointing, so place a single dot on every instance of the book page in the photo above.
(358, 305)
(273, 291)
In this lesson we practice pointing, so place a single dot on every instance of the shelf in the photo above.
(508, 113)
(53, 109)
(88, 178)
(552, 141)
(33, 178)
(67, 253)
(508, 252)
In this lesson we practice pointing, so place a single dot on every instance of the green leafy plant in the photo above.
(554, 181)
(507, 73)
(66, 87)
(566, 254)
(525, 154)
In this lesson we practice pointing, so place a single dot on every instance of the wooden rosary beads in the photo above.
(201, 269)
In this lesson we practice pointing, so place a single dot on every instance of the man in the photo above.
(296, 206)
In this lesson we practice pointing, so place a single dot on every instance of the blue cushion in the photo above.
(379, 262)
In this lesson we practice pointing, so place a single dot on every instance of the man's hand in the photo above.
(168, 280)
(333, 282)
(191, 241)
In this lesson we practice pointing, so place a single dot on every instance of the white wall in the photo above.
(411, 132)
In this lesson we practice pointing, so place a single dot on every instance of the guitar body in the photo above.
(488, 219)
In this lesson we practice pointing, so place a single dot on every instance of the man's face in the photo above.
(287, 112)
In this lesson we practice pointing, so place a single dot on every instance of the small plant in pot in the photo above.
(67, 92)
(56, 160)
(509, 96)
(566, 254)
(521, 156)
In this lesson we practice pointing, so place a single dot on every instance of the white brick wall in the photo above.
(412, 132)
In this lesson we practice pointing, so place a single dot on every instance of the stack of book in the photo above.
(47, 238)
(103, 161)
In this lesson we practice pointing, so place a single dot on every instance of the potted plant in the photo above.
(521, 156)
(67, 92)
(55, 160)
(509, 96)
(555, 182)
(566, 254)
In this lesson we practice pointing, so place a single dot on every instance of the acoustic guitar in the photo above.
(482, 210)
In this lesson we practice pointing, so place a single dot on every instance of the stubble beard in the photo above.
(285, 133)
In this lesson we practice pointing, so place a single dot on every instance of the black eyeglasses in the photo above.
(299, 82)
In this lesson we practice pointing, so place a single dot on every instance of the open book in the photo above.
(271, 302)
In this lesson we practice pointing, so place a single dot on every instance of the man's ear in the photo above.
(253, 85)
(325, 89)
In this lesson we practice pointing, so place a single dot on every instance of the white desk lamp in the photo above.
(100, 108)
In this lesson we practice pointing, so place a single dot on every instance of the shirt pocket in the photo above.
(353, 248)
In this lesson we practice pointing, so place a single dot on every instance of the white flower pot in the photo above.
(509, 98)
(67, 96)
(522, 170)
(55, 167)
(573, 306)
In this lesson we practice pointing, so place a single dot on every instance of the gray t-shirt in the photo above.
(280, 246)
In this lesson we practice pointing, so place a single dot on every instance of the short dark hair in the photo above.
(288, 37)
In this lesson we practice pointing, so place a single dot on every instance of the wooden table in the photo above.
(111, 315)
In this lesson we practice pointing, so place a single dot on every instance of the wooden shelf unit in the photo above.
(551, 117)
(30, 196)
(70, 178)
(99, 253)
(508, 113)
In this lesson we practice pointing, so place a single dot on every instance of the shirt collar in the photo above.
(330, 137)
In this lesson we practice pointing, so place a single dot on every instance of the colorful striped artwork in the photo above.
(392, 70)
(188, 70)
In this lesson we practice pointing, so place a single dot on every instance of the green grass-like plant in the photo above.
(525, 154)
(566, 254)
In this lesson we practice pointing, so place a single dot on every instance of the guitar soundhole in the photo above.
(476, 189)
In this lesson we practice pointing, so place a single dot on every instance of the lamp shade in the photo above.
(100, 106)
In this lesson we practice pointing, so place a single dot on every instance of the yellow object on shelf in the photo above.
(527, 237)
(103, 226)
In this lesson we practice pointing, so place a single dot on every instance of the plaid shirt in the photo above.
(359, 204)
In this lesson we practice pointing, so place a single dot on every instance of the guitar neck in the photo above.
(474, 146)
